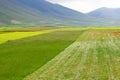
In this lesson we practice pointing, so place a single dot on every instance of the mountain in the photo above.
(44, 13)
(53, 9)
(39, 12)
(106, 13)
(15, 12)
(23, 12)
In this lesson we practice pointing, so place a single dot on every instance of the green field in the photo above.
(95, 55)
(62, 54)
(18, 35)
(19, 58)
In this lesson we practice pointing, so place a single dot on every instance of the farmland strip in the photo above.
(90, 58)
(18, 35)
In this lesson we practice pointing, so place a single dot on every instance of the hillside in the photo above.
(16, 12)
(43, 13)
(106, 13)
(39, 12)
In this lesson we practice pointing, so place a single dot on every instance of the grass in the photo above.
(94, 56)
(21, 57)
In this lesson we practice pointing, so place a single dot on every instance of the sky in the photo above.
(86, 6)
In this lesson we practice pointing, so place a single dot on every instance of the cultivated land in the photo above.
(18, 35)
(95, 55)
(7, 34)
(21, 57)
(62, 54)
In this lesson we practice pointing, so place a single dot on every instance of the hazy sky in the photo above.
(88, 5)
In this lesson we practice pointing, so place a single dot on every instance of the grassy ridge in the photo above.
(21, 57)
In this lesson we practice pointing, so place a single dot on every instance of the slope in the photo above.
(43, 13)
(106, 13)
(37, 12)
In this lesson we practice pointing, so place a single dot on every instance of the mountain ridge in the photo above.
(44, 13)
(36, 12)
